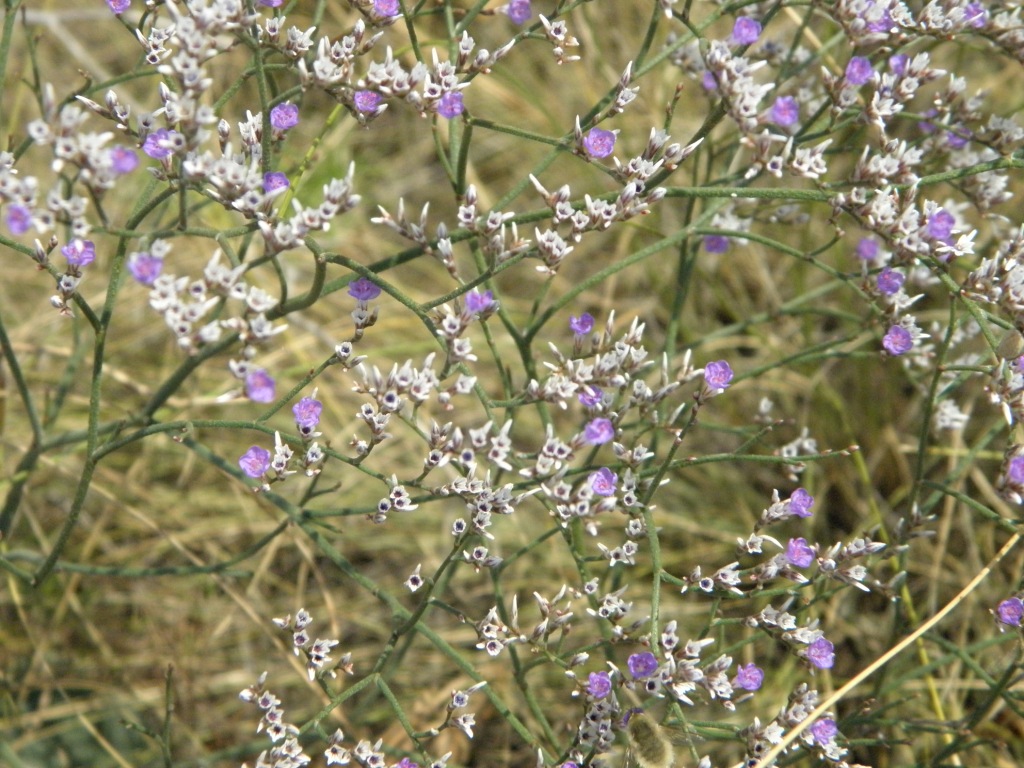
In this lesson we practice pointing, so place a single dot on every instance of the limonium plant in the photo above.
(483, 374)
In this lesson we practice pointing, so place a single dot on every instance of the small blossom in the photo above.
(479, 303)
(1015, 470)
(363, 289)
(160, 143)
(749, 677)
(858, 70)
(590, 396)
(366, 101)
(599, 684)
(975, 15)
(867, 249)
(642, 665)
(603, 482)
(386, 8)
(718, 374)
(800, 503)
(79, 252)
(260, 386)
(275, 180)
(123, 160)
(415, 580)
(598, 431)
(708, 81)
(799, 553)
(119, 6)
(746, 30)
(19, 219)
(255, 462)
(599, 142)
(1011, 611)
(889, 281)
(821, 653)
(450, 105)
(785, 111)
(581, 325)
(716, 243)
(307, 413)
(519, 11)
(284, 116)
(272, 3)
(145, 267)
(824, 730)
(898, 341)
(940, 224)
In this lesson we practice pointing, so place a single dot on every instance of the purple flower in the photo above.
(581, 325)
(363, 289)
(708, 81)
(718, 374)
(259, 386)
(255, 462)
(160, 143)
(145, 267)
(785, 111)
(19, 219)
(519, 11)
(716, 243)
(450, 105)
(749, 677)
(867, 249)
(598, 431)
(746, 30)
(940, 224)
(79, 252)
(307, 414)
(821, 653)
(898, 340)
(800, 503)
(123, 160)
(889, 281)
(478, 303)
(284, 116)
(1015, 470)
(275, 180)
(366, 101)
(598, 142)
(642, 665)
(386, 8)
(1011, 611)
(119, 6)
(603, 482)
(590, 396)
(858, 70)
(599, 684)
(898, 63)
(799, 553)
(975, 15)
(824, 730)
(272, 3)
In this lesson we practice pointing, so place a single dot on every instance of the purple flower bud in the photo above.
(599, 431)
(123, 160)
(1015, 470)
(746, 30)
(598, 142)
(858, 70)
(800, 503)
(799, 553)
(581, 325)
(366, 101)
(821, 653)
(145, 267)
(975, 15)
(79, 252)
(940, 224)
(19, 219)
(599, 684)
(275, 180)
(519, 11)
(284, 116)
(898, 340)
(708, 81)
(718, 374)
(590, 396)
(478, 303)
(160, 143)
(307, 413)
(603, 482)
(785, 111)
(749, 677)
(824, 730)
(255, 462)
(450, 105)
(889, 281)
(716, 243)
(386, 8)
(119, 6)
(363, 289)
(1011, 612)
(642, 665)
(898, 64)
(867, 249)
(260, 386)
